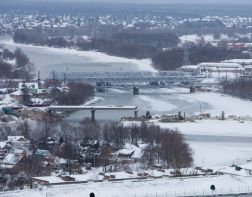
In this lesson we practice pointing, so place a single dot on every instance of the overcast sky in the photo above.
(156, 1)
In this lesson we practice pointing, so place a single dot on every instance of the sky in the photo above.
(155, 1)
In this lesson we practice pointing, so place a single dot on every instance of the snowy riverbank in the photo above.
(63, 59)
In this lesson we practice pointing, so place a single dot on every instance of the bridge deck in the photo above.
(126, 78)
(74, 107)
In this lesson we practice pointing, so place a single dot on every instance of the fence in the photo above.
(54, 192)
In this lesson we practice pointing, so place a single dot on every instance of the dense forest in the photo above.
(161, 47)
(78, 94)
(172, 59)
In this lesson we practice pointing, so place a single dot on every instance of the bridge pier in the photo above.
(92, 115)
(192, 89)
(136, 113)
(135, 90)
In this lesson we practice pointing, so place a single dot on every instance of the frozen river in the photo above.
(210, 148)
(48, 59)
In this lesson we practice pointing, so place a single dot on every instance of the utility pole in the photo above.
(39, 80)
(186, 53)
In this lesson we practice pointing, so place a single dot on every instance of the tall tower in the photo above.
(186, 60)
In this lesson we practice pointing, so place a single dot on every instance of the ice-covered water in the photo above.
(211, 149)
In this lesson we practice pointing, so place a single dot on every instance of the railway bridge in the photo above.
(164, 78)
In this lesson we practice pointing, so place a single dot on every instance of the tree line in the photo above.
(21, 69)
(241, 88)
(77, 94)
(160, 46)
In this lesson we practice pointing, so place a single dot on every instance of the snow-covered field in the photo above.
(220, 154)
(159, 105)
(194, 38)
(214, 142)
(153, 187)
(213, 128)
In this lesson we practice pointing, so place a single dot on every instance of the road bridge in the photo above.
(51, 109)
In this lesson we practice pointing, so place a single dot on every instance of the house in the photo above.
(42, 153)
(12, 162)
(239, 170)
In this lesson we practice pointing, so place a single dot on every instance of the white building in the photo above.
(220, 67)
(239, 61)
(221, 70)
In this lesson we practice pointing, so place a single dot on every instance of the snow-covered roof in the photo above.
(3, 144)
(42, 152)
(240, 170)
(12, 159)
(209, 80)
(131, 149)
(77, 178)
(239, 61)
(16, 138)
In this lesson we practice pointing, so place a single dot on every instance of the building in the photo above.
(192, 69)
(220, 67)
(221, 70)
(13, 153)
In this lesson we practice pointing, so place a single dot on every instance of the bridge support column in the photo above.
(192, 89)
(135, 113)
(135, 90)
(93, 115)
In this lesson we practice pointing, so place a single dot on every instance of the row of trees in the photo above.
(172, 59)
(164, 145)
(132, 44)
(137, 44)
(240, 88)
(77, 94)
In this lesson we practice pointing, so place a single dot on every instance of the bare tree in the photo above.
(104, 157)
